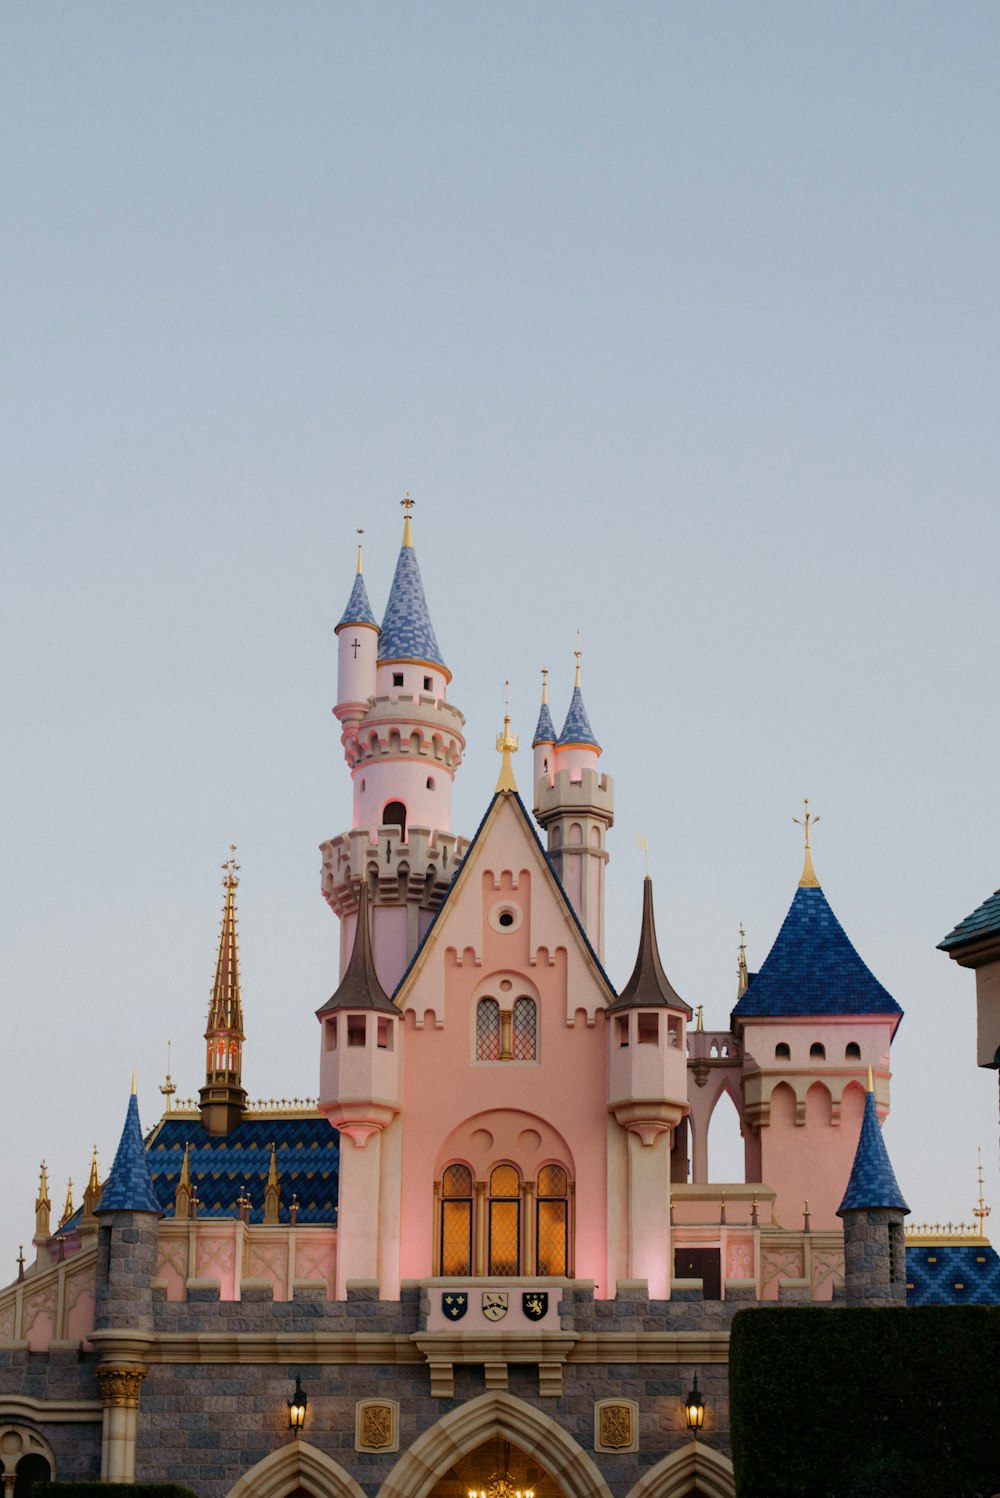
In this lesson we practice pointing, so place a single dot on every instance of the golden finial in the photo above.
(871, 1079)
(506, 745)
(20, 1261)
(231, 870)
(642, 843)
(578, 652)
(407, 504)
(808, 880)
(982, 1211)
(545, 683)
(43, 1184)
(361, 531)
(742, 974)
(168, 1087)
(94, 1182)
(133, 1082)
(700, 1023)
(67, 1211)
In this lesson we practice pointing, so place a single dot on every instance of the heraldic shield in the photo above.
(494, 1304)
(535, 1303)
(454, 1304)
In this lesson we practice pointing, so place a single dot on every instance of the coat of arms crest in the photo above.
(535, 1303)
(495, 1304)
(454, 1304)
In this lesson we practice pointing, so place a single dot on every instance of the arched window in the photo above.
(30, 1469)
(504, 1227)
(817, 1051)
(853, 1052)
(487, 1030)
(552, 1221)
(782, 1051)
(523, 1030)
(456, 1220)
(394, 815)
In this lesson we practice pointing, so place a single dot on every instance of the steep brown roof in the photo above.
(359, 987)
(649, 985)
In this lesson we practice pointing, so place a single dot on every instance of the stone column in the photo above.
(874, 1257)
(120, 1395)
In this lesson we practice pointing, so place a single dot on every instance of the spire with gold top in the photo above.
(43, 1207)
(506, 746)
(407, 632)
(222, 1100)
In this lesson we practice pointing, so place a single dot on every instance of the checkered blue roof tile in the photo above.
(222, 1167)
(129, 1187)
(984, 921)
(358, 610)
(407, 631)
(873, 1181)
(545, 729)
(577, 729)
(813, 969)
(952, 1274)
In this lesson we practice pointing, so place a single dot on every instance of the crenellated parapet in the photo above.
(585, 792)
(416, 869)
(401, 724)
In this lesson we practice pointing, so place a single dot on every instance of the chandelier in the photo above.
(500, 1484)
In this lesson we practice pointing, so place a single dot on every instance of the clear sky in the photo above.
(680, 323)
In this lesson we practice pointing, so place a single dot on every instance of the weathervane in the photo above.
(808, 880)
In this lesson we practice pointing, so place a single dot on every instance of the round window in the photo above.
(505, 918)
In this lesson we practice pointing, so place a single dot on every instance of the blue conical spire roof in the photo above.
(813, 968)
(873, 1181)
(577, 729)
(407, 631)
(545, 729)
(129, 1187)
(358, 610)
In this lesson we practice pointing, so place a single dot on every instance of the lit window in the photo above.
(505, 1221)
(552, 1233)
(456, 1220)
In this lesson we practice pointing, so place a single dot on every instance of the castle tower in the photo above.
(575, 806)
(873, 1210)
(647, 1094)
(811, 1021)
(360, 1091)
(544, 742)
(403, 743)
(222, 1100)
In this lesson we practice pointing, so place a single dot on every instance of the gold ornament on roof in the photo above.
(741, 970)
(407, 504)
(808, 880)
(506, 746)
(361, 531)
(981, 1211)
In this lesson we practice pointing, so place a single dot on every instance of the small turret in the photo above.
(272, 1190)
(68, 1207)
(873, 1210)
(575, 806)
(222, 1100)
(128, 1212)
(183, 1193)
(357, 650)
(92, 1191)
(43, 1209)
(544, 741)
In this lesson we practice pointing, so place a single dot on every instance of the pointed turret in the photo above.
(182, 1195)
(357, 649)
(358, 610)
(576, 730)
(222, 1100)
(43, 1208)
(272, 1190)
(68, 1207)
(129, 1187)
(92, 1191)
(873, 1210)
(506, 746)
(407, 631)
(649, 986)
(544, 740)
(127, 1236)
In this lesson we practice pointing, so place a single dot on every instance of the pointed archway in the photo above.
(493, 1415)
(296, 1466)
(694, 1469)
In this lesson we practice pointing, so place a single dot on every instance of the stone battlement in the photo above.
(416, 869)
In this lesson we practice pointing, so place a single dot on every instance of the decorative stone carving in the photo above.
(376, 1425)
(616, 1425)
(120, 1387)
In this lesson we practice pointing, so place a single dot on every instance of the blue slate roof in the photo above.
(813, 969)
(129, 1187)
(577, 729)
(407, 631)
(952, 1274)
(984, 921)
(545, 729)
(873, 1181)
(358, 610)
(308, 1159)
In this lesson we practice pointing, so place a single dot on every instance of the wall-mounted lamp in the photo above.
(694, 1409)
(297, 1406)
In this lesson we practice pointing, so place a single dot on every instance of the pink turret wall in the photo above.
(423, 786)
(357, 646)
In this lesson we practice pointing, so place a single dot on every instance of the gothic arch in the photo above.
(695, 1468)
(18, 1441)
(496, 1414)
(296, 1465)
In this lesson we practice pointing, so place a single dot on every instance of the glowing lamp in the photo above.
(297, 1406)
(694, 1409)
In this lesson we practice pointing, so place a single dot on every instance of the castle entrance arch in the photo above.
(694, 1471)
(297, 1469)
(476, 1438)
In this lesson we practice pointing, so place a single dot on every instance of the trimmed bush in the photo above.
(866, 1403)
(111, 1490)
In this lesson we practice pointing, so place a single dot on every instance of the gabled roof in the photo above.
(459, 878)
(813, 969)
(360, 988)
(358, 610)
(129, 1187)
(577, 729)
(649, 984)
(407, 631)
(873, 1181)
(984, 921)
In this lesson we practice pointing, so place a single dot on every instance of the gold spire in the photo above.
(42, 1206)
(222, 1099)
(808, 880)
(545, 683)
(700, 1023)
(182, 1193)
(67, 1211)
(407, 504)
(94, 1183)
(272, 1190)
(361, 531)
(133, 1082)
(92, 1194)
(168, 1087)
(743, 976)
(871, 1080)
(579, 654)
(982, 1211)
(506, 745)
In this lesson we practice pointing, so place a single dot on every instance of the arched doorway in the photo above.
(695, 1471)
(496, 1469)
(296, 1469)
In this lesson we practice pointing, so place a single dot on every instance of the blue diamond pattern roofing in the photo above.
(224, 1167)
(984, 921)
(358, 610)
(545, 729)
(813, 969)
(577, 729)
(952, 1274)
(407, 631)
(873, 1181)
(129, 1187)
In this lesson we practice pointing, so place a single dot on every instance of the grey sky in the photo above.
(680, 323)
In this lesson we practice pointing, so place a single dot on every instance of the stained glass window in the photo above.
(523, 1037)
(552, 1235)
(505, 1221)
(487, 1030)
(456, 1220)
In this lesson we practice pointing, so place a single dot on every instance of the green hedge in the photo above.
(858, 1403)
(111, 1490)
